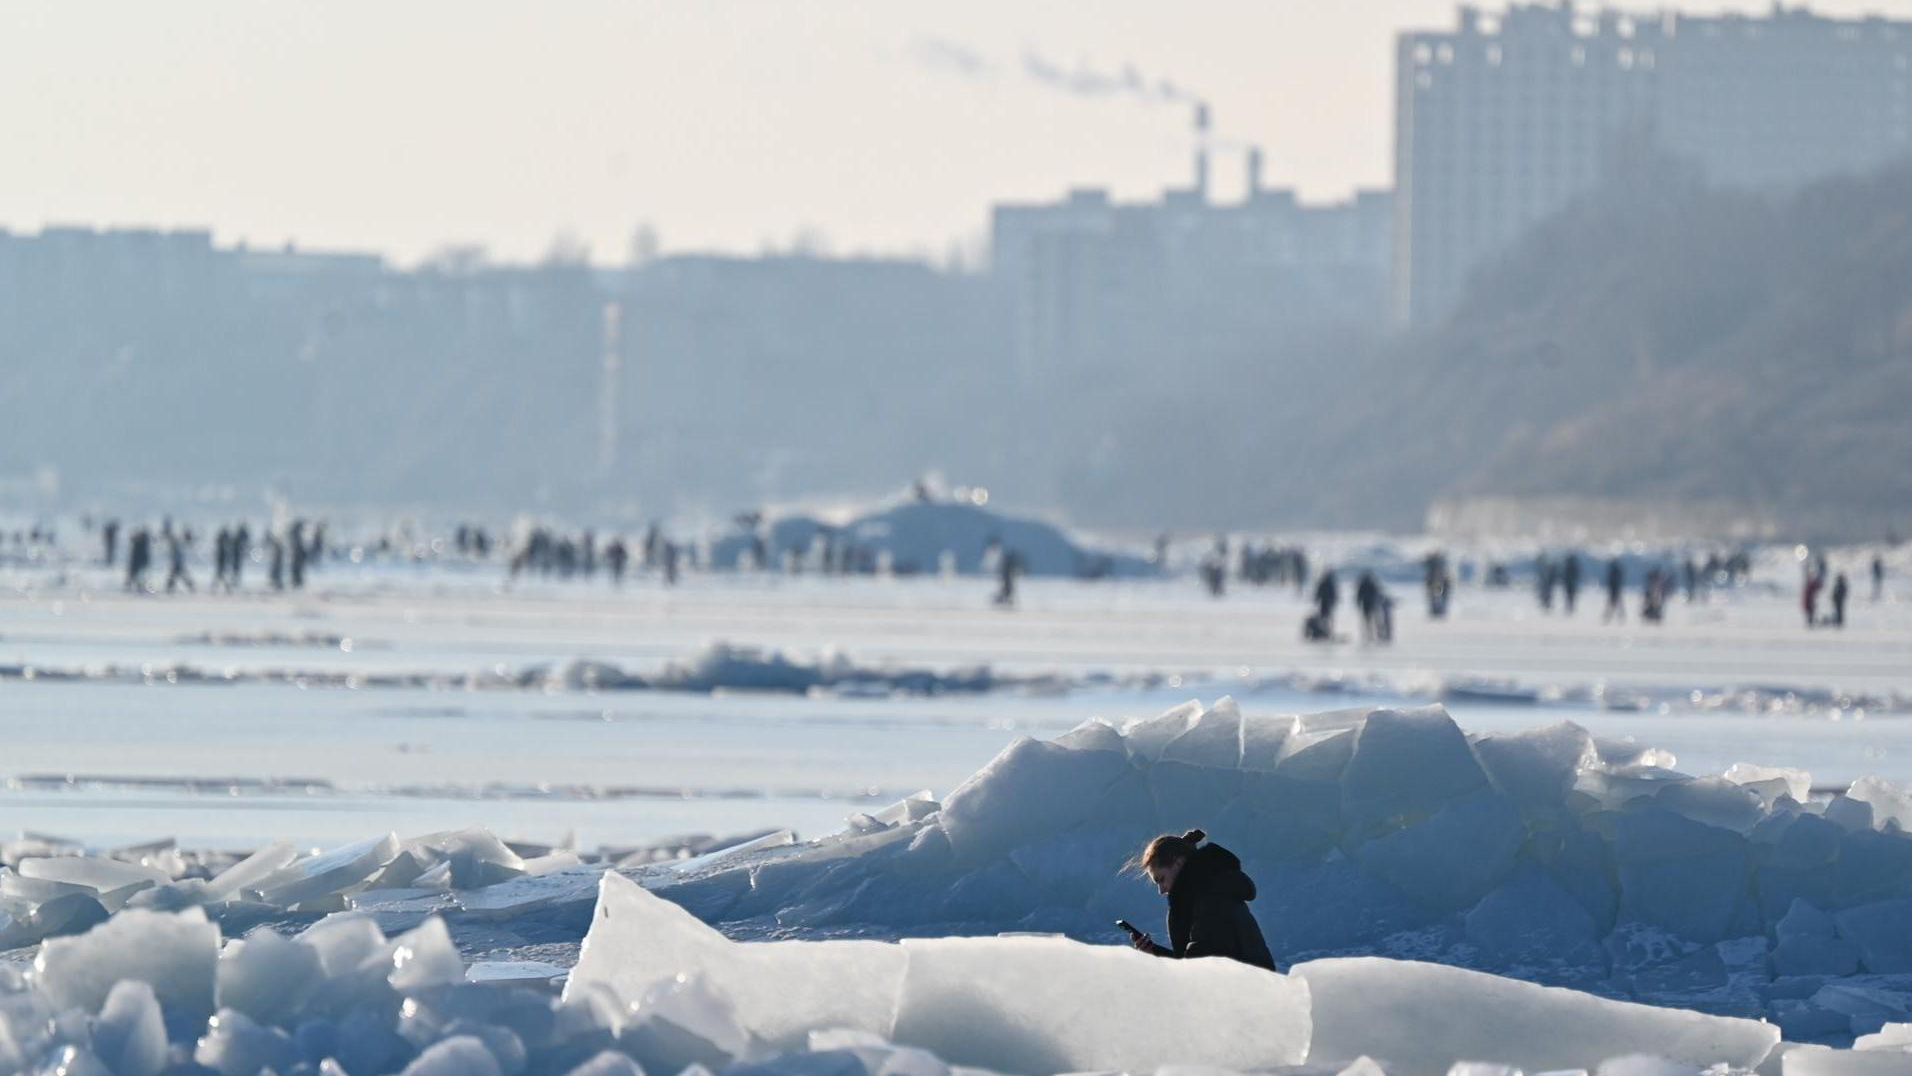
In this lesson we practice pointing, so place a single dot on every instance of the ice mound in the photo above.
(1050, 1004)
(744, 668)
(50, 891)
(1548, 855)
(658, 991)
(915, 536)
(720, 666)
(1036, 1005)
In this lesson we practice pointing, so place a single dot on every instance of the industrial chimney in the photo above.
(1201, 151)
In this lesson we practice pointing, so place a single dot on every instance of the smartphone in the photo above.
(1128, 926)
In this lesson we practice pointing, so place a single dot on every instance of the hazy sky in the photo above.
(402, 125)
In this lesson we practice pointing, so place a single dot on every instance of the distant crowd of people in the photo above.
(161, 559)
(1814, 572)
(287, 556)
(1558, 579)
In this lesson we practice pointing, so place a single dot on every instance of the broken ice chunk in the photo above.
(93, 872)
(460, 1055)
(1146, 738)
(608, 1063)
(1262, 741)
(1054, 1005)
(130, 1034)
(327, 873)
(1030, 790)
(173, 897)
(1211, 739)
(513, 973)
(780, 990)
(1422, 1018)
(477, 857)
(73, 913)
(551, 861)
(916, 805)
(525, 894)
(1406, 763)
(1095, 734)
(425, 956)
(344, 942)
(1797, 783)
(1891, 804)
(780, 838)
(250, 871)
(1536, 767)
(680, 1023)
(267, 976)
(174, 951)
(234, 1045)
(1890, 1037)
(1714, 801)
(1824, 1061)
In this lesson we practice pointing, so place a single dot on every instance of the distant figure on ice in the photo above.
(1208, 899)
(1878, 577)
(109, 535)
(618, 558)
(1616, 586)
(1370, 601)
(176, 561)
(1214, 571)
(275, 550)
(1327, 595)
(139, 557)
(1839, 591)
(1809, 595)
(295, 542)
(240, 550)
(1570, 581)
(1653, 594)
(221, 545)
(1545, 576)
(1008, 567)
(1439, 583)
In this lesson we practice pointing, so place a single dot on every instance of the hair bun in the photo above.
(1194, 836)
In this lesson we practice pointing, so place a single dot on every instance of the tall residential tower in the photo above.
(1504, 119)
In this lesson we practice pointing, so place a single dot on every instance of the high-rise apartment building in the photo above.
(1504, 119)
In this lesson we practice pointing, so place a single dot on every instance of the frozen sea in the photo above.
(226, 721)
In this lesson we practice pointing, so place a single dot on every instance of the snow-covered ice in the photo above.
(1420, 1019)
(1436, 897)
(1708, 816)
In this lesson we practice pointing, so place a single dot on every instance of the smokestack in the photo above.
(1254, 172)
(608, 387)
(1201, 150)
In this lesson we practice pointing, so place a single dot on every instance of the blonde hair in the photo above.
(1167, 849)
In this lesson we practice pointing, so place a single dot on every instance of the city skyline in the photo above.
(887, 128)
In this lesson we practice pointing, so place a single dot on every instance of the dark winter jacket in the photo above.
(1208, 911)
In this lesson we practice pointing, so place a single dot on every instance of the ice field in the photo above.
(1632, 849)
(1508, 899)
(395, 693)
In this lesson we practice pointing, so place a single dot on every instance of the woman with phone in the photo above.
(1208, 899)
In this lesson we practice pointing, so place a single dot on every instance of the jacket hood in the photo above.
(1213, 869)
